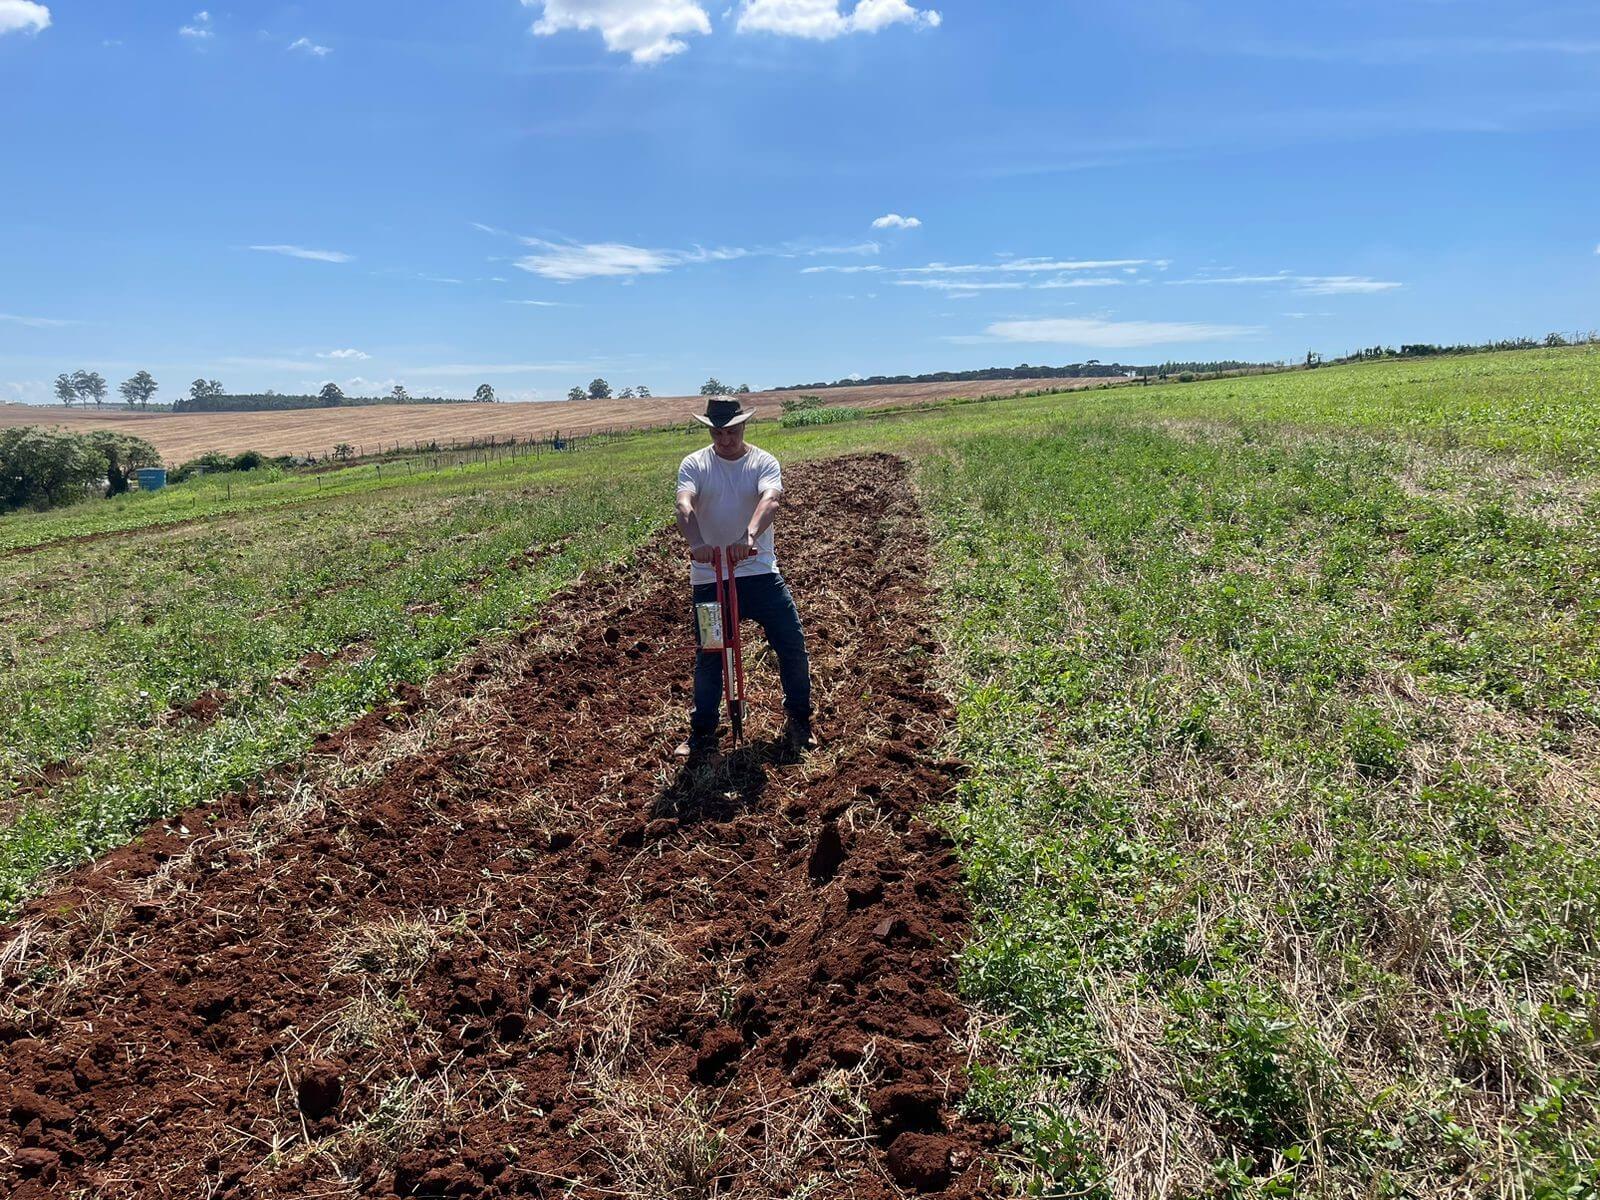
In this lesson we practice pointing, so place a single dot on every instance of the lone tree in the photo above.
(91, 385)
(625, 394)
(742, 390)
(484, 394)
(138, 390)
(642, 392)
(331, 397)
(122, 455)
(66, 389)
(599, 389)
(400, 395)
(577, 393)
(715, 387)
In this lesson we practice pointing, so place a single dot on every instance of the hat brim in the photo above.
(738, 418)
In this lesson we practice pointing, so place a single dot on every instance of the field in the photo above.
(1206, 808)
(315, 432)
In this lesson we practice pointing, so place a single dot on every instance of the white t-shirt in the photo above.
(725, 497)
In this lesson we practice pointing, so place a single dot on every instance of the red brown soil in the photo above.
(316, 431)
(492, 941)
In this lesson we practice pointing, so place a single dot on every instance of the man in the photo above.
(728, 495)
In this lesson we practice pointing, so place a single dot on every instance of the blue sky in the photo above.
(535, 192)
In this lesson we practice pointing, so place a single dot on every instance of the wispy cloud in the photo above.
(970, 278)
(1031, 265)
(307, 46)
(540, 303)
(896, 221)
(23, 16)
(647, 30)
(821, 20)
(200, 30)
(345, 354)
(571, 261)
(330, 256)
(963, 285)
(816, 251)
(35, 322)
(1307, 285)
(1100, 334)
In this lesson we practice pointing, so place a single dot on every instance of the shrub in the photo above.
(818, 416)
(41, 468)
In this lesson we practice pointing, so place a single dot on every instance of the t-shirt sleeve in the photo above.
(689, 476)
(770, 478)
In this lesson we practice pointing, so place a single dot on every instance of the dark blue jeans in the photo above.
(764, 599)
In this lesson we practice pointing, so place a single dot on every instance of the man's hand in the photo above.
(740, 551)
(703, 554)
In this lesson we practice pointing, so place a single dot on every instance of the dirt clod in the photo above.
(319, 1090)
(827, 854)
(920, 1161)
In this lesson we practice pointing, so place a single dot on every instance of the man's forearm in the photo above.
(689, 526)
(766, 510)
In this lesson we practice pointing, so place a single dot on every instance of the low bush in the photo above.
(43, 468)
(819, 415)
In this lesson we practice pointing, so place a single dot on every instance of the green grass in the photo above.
(1280, 698)
(305, 611)
(1280, 826)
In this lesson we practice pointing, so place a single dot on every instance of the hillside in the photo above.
(315, 432)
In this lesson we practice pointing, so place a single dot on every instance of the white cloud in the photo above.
(35, 322)
(201, 29)
(1025, 265)
(1343, 285)
(540, 303)
(1101, 334)
(332, 256)
(961, 285)
(649, 30)
(614, 260)
(870, 268)
(1082, 281)
(965, 284)
(852, 248)
(310, 47)
(821, 19)
(896, 221)
(23, 16)
(1307, 285)
(354, 354)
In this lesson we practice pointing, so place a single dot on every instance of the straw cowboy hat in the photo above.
(721, 411)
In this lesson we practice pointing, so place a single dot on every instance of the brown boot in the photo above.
(695, 746)
(798, 737)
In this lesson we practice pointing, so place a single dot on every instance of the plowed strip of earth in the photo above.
(494, 942)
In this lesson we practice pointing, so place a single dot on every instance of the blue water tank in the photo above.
(151, 479)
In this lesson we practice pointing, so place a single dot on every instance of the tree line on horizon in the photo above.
(208, 395)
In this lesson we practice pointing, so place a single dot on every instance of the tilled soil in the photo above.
(494, 941)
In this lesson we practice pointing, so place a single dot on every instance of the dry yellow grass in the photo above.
(315, 431)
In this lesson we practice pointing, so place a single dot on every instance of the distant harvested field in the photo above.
(315, 431)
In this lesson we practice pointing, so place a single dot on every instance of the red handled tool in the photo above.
(732, 645)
